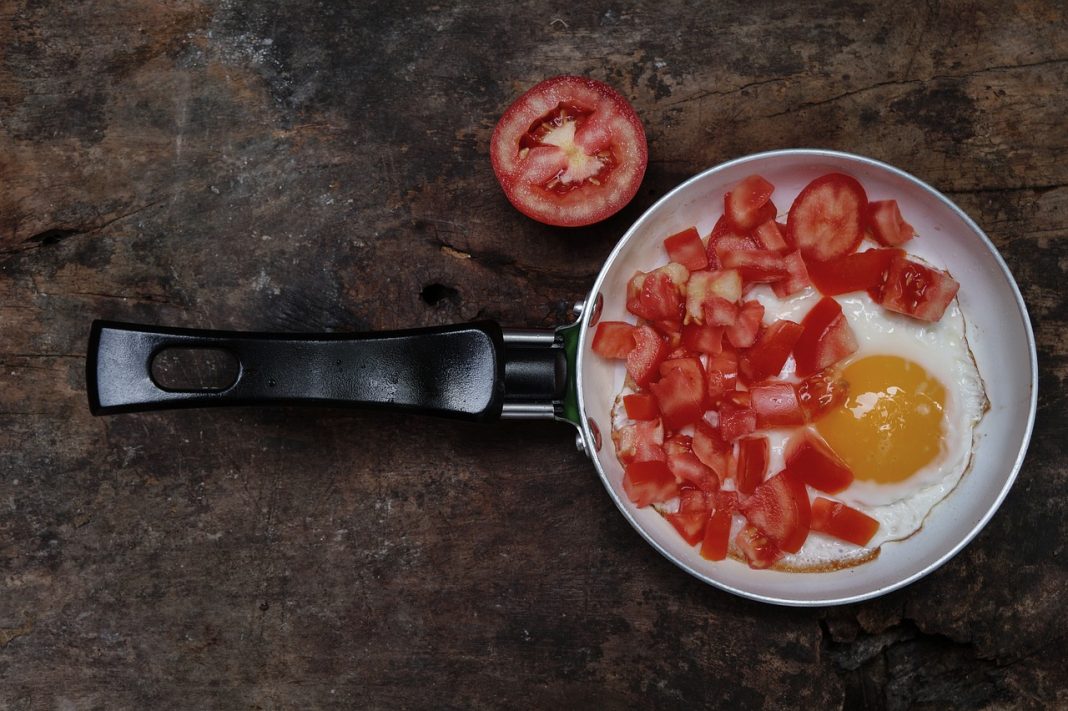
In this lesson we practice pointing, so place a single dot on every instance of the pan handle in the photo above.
(475, 371)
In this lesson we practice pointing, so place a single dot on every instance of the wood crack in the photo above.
(57, 235)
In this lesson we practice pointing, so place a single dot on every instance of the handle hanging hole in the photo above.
(179, 369)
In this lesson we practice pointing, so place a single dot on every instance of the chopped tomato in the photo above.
(768, 236)
(721, 375)
(680, 392)
(767, 356)
(718, 527)
(860, 271)
(570, 151)
(687, 249)
(827, 218)
(759, 551)
(677, 444)
(813, 461)
(736, 420)
(641, 442)
(649, 351)
(821, 392)
(917, 290)
(649, 483)
(753, 454)
(613, 339)
(687, 467)
(779, 508)
(710, 447)
(776, 405)
(796, 277)
(836, 519)
(743, 332)
(703, 339)
(747, 202)
(641, 406)
(660, 298)
(826, 338)
(757, 265)
(886, 223)
(689, 524)
(725, 239)
(717, 311)
(707, 287)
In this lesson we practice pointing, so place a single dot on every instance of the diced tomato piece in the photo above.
(649, 483)
(718, 528)
(821, 392)
(694, 499)
(680, 392)
(827, 218)
(886, 223)
(649, 351)
(641, 406)
(767, 356)
(796, 277)
(813, 461)
(743, 332)
(709, 288)
(677, 444)
(687, 249)
(780, 509)
(719, 312)
(641, 442)
(790, 244)
(725, 239)
(736, 421)
(757, 265)
(710, 447)
(745, 204)
(753, 454)
(759, 551)
(613, 339)
(826, 338)
(703, 339)
(846, 523)
(917, 290)
(660, 298)
(860, 271)
(721, 375)
(776, 405)
(768, 236)
(690, 525)
(634, 294)
(688, 468)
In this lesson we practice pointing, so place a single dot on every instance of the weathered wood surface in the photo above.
(306, 166)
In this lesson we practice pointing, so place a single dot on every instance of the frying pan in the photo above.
(481, 371)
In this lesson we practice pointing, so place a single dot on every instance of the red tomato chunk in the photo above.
(843, 522)
(814, 462)
(649, 483)
(917, 290)
(613, 339)
(687, 249)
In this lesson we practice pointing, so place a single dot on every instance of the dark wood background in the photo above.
(307, 166)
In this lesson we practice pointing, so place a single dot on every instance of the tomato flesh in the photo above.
(861, 271)
(649, 482)
(820, 393)
(759, 551)
(745, 206)
(641, 406)
(753, 454)
(814, 462)
(827, 218)
(826, 338)
(649, 351)
(613, 339)
(767, 356)
(570, 151)
(779, 508)
(887, 225)
(680, 392)
(917, 290)
(687, 249)
(641, 442)
(843, 522)
(718, 528)
(776, 405)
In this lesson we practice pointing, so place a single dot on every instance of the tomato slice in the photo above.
(843, 522)
(649, 483)
(767, 356)
(710, 447)
(757, 265)
(826, 338)
(814, 462)
(776, 405)
(641, 442)
(708, 289)
(687, 249)
(613, 339)
(745, 206)
(718, 527)
(649, 351)
(569, 152)
(821, 392)
(779, 508)
(703, 339)
(753, 454)
(853, 272)
(917, 290)
(743, 332)
(680, 392)
(886, 223)
(759, 551)
(796, 277)
(641, 406)
(827, 218)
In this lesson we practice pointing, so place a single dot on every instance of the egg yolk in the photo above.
(890, 425)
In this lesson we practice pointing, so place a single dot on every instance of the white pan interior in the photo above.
(997, 328)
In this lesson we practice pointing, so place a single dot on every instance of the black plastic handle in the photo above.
(455, 371)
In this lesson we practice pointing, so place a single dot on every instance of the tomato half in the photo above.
(569, 152)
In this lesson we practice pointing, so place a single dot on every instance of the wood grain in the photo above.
(323, 166)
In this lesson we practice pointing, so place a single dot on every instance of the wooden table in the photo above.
(305, 166)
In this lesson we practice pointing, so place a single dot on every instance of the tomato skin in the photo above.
(736, 420)
(843, 522)
(776, 405)
(753, 454)
(718, 527)
(609, 124)
(721, 376)
(759, 551)
(703, 339)
(860, 271)
(711, 449)
(745, 205)
(641, 442)
(917, 290)
(641, 406)
(687, 467)
(813, 461)
(887, 225)
(780, 509)
(767, 356)
(725, 239)
(680, 392)
(687, 249)
(820, 393)
(757, 265)
(826, 219)
(649, 483)
(796, 277)
(826, 338)
(769, 236)
(649, 351)
(613, 339)
(743, 332)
